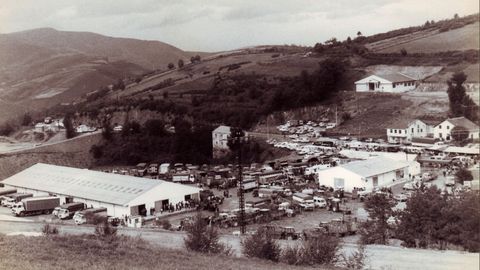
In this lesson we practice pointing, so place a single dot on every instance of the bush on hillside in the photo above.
(204, 238)
(48, 229)
(261, 245)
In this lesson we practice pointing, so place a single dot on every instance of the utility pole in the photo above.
(236, 141)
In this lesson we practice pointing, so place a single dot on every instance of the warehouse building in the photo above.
(122, 195)
(368, 174)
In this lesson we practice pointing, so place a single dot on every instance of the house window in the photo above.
(440, 127)
(412, 130)
(395, 131)
(448, 127)
(394, 85)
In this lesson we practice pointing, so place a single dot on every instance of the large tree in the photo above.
(376, 229)
(67, 123)
(460, 103)
(421, 221)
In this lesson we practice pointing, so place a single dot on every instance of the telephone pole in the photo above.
(236, 141)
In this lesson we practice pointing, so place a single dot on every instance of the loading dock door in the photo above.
(138, 210)
(338, 183)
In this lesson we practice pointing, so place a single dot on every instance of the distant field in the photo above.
(465, 38)
(88, 252)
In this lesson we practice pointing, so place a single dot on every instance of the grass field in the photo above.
(88, 252)
(465, 38)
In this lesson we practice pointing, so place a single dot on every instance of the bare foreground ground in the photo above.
(379, 257)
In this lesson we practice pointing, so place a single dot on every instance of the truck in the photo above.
(284, 233)
(35, 206)
(4, 191)
(66, 211)
(89, 215)
(339, 227)
(249, 184)
(13, 198)
(183, 178)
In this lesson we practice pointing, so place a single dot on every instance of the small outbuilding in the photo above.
(393, 83)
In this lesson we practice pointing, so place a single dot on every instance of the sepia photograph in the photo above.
(240, 134)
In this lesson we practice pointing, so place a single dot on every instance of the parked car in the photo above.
(319, 202)
(400, 197)
(410, 186)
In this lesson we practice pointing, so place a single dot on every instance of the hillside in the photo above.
(43, 67)
(89, 252)
(430, 41)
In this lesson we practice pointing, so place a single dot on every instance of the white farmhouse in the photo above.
(367, 174)
(393, 83)
(220, 141)
(443, 130)
(406, 131)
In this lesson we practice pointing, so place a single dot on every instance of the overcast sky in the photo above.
(214, 25)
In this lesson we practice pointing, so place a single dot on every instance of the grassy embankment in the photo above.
(89, 252)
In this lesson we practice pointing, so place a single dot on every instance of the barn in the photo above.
(122, 195)
(392, 83)
(367, 174)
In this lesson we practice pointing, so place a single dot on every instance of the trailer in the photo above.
(90, 215)
(14, 198)
(66, 211)
(35, 206)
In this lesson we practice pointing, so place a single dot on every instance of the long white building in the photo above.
(367, 174)
(122, 195)
(393, 83)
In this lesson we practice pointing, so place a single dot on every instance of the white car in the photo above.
(319, 202)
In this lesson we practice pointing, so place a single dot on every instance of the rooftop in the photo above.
(397, 77)
(374, 166)
(82, 183)
(222, 129)
(463, 122)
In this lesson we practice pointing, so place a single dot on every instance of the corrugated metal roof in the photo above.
(99, 186)
(374, 166)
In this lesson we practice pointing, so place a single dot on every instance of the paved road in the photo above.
(379, 257)
(30, 146)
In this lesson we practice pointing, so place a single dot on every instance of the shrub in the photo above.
(204, 238)
(346, 116)
(261, 245)
(356, 260)
(48, 229)
(165, 223)
(105, 230)
(290, 255)
(320, 250)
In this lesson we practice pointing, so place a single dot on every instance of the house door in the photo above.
(371, 86)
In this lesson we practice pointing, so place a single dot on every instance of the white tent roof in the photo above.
(93, 185)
